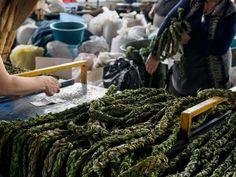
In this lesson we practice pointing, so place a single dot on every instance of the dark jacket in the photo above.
(194, 72)
(163, 7)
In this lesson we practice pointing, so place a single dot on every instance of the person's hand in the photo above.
(152, 12)
(152, 64)
(184, 38)
(51, 85)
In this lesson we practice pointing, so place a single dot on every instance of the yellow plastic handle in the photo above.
(187, 115)
(82, 64)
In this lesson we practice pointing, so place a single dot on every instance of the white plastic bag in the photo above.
(122, 38)
(62, 50)
(23, 56)
(87, 18)
(94, 75)
(137, 32)
(95, 45)
(56, 6)
(24, 33)
(104, 58)
(134, 19)
(96, 24)
(90, 58)
(110, 29)
(130, 15)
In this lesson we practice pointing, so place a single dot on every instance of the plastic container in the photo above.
(68, 32)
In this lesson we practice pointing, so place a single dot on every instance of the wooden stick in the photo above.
(51, 69)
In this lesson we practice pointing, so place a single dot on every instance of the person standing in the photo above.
(205, 62)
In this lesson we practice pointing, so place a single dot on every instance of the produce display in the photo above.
(12, 69)
(123, 134)
(16, 70)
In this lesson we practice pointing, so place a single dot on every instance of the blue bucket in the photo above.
(68, 32)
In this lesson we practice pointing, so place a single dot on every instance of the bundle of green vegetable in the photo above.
(16, 70)
(167, 45)
(12, 69)
(128, 133)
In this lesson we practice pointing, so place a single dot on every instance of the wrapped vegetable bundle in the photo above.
(128, 133)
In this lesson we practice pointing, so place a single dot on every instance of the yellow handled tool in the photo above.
(187, 115)
(82, 64)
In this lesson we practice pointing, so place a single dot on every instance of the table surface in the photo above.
(70, 96)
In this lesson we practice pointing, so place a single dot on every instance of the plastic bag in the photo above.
(137, 33)
(129, 34)
(110, 29)
(90, 58)
(122, 38)
(122, 73)
(62, 50)
(23, 56)
(87, 18)
(105, 58)
(95, 45)
(94, 75)
(56, 6)
(134, 19)
(130, 15)
(24, 33)
(96, 24)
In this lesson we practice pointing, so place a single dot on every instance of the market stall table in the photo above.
(38, 104)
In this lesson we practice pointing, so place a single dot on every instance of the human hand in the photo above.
(152, 64)
(51, 85)
(151, 14)
(184, 38)
(152, 11)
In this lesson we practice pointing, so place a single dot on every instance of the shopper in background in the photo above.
(11, 85)
(160, 10)
(205, 62)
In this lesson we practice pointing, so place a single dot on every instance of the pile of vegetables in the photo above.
(128, 133)
(16, 70)
(12, 69)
